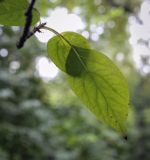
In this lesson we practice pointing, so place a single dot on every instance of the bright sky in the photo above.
(46, 69)
(140, 31)
(60, 20)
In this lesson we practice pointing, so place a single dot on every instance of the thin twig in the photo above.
(35, 29)
(28, 22)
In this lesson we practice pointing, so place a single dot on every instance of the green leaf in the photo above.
(93, 77)
(102, 87)
(12, 13)
(58, 48)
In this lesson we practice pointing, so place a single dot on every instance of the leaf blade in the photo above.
(61, 48)
(100, 87)
(99, 83)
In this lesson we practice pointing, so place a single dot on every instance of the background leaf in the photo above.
(99, 83)
(12, 13)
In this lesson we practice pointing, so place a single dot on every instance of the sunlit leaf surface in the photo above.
(93, 77)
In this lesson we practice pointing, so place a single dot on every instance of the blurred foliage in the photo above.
(39, 122)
